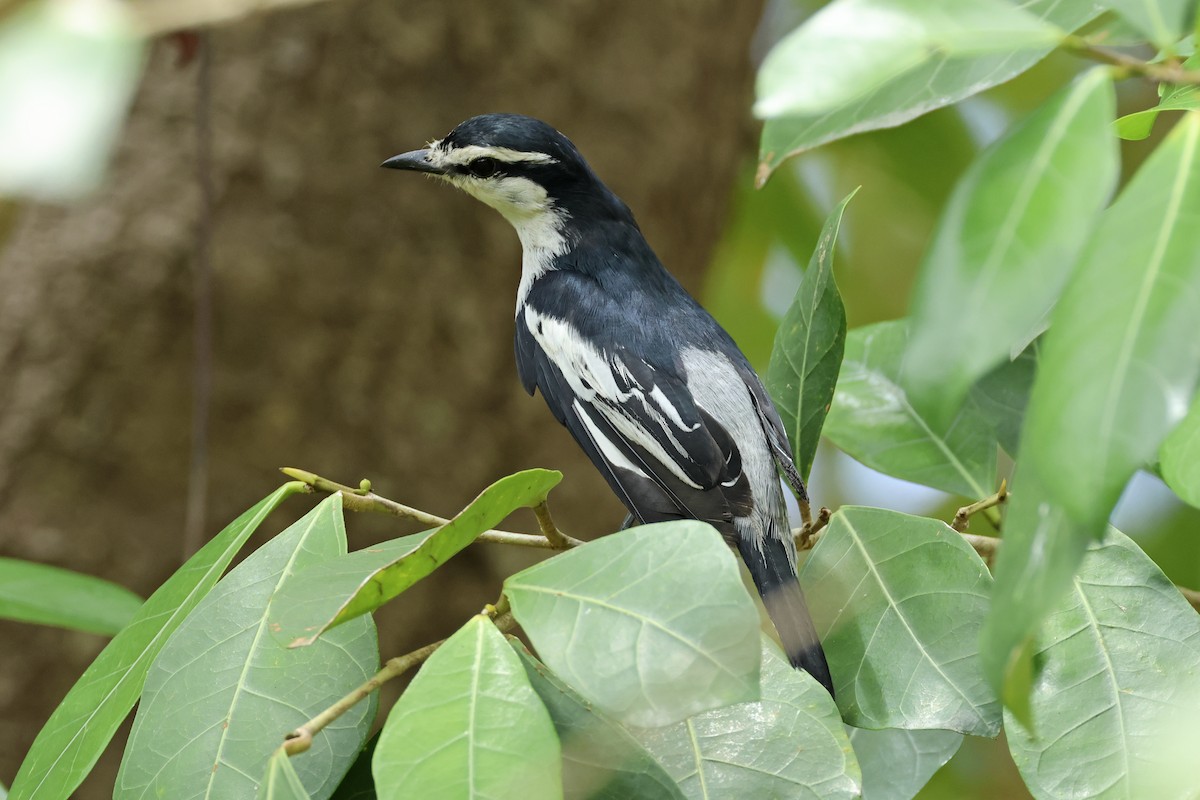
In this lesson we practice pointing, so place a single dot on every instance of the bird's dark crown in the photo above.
(565, 175)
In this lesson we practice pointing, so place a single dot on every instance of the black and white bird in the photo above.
(651, 387)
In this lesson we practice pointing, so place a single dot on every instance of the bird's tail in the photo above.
(774, 575)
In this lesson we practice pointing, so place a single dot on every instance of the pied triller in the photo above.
(651, 387)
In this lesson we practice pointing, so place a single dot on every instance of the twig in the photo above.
(363, 499)
(557, 539)
(1166, 72)
(962, 518)
(301, 738)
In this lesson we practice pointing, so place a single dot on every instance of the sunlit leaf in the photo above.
(281, 781)
(940, 78)
(1163, 21)
(791, 743)
(873, 420)
(39, 593)
(897, 763)
(899, 602)
(469, 726)
(850, 47)
(1180, 458)
(67, 73)
(601, 759)
(1117, 701)
(652, 624)
(67, 747)
(1116, 374)
(808, 350)
(1122, 358)
(1007, 242)
(328, 593)
(222, 692)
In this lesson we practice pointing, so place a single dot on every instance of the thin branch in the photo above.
(557, 539)
(301, 738)
(962, 518)
(1164, 72)
(363, 499)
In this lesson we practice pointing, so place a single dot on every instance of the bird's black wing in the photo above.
(776, 434)
(636, 420)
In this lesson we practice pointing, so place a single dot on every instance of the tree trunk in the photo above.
(363, 319)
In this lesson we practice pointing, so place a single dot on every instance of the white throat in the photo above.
(542, 240)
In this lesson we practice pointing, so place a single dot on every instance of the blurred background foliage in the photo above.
(303, 103)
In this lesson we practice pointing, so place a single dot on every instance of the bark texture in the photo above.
(363, 318)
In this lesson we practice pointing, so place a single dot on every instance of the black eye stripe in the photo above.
(483, 167)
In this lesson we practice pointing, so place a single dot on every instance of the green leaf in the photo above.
(902, 647)
(1007, 242)
(791, 743)
(327, 594)
(601, 760)
(1179, 457)
(1002, 395)
(281, 781)
(1042, 548)
(222, 692)
(939, 77)
(66, 749)
(1139, 124)
(469, 726)
(1163, 21)
(873, 420)
(39, 593)
(1122, 358)
(652, 624)
(851, 47)
(1118, 697)
(67, 75)
(897, 763)
(808, 349)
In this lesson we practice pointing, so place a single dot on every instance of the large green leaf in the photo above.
(850, 47)
(652, 624)
(469, 726)
(896, 763)
(1163, 21)
(899, 601)
(1122, 358)
(601, 759)
(791, 744)
(281, 781)
(873, 420)
(66, 749)
(328, 593)
(1117, 701)
(808, 349)
(1007, 241)
(940, 77)
(39, 593)
(222, 693)
(1179, 457)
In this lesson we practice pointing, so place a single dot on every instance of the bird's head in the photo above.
(518, 165)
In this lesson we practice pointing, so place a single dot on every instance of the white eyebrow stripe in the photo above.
(464, 155)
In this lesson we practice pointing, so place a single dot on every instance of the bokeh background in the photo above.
(360, 321)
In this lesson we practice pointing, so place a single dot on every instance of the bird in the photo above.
(649, 385)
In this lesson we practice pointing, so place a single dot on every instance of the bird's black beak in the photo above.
(415, 160)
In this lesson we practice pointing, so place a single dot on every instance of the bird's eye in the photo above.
(482, 167)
